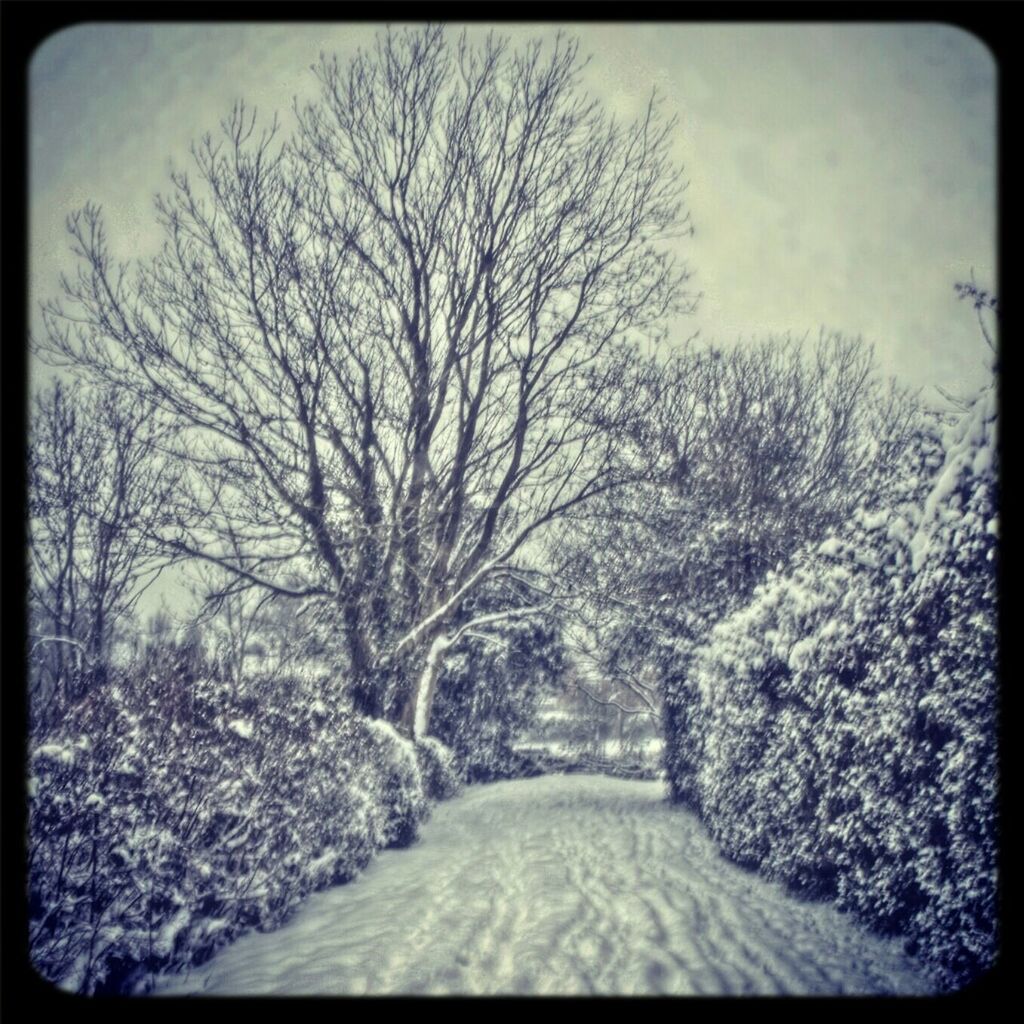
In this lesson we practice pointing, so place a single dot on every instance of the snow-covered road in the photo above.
(559, 885)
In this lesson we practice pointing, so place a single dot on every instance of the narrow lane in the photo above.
(559, 885)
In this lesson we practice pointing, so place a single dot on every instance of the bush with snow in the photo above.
(169, 815)
(438, 768)
(399, 788)
(843, 732)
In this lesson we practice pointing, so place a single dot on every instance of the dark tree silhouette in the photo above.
(746, 454)
(378, 339)
(98, 494)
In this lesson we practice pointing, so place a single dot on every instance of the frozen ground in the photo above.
(559, 885)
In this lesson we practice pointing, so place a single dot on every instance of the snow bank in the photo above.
(400, 793)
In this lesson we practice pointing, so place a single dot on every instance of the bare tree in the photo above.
(746, 455)
(98, 492)
(231, 616)
(982, 301)
(255, 630)
(380, 339)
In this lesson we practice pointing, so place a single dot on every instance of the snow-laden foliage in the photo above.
(438, 769)
(167, 816)
(842, 738)
(400, 790)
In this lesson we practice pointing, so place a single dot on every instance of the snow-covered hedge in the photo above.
(168, 816)
(842, 738)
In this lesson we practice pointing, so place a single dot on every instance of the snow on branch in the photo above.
(493, 617)
(442, 610)
(615, 704)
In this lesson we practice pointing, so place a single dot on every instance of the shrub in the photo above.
(488, 691)
(399, 791)
(438, 768)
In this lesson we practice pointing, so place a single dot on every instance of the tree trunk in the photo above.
(419, 699)
(367, 686)
(366, 697)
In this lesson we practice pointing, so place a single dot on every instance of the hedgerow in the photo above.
(169, 815)
(842, 738)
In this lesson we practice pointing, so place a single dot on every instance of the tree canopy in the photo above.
(379, 342)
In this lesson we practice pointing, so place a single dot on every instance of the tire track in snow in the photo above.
(559, 885)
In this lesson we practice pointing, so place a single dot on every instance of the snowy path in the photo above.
(559, 885)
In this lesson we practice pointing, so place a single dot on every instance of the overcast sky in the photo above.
(840, 175)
